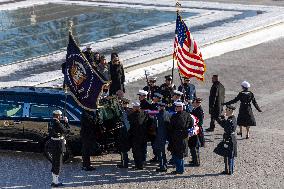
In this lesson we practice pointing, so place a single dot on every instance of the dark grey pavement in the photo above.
(260, 159)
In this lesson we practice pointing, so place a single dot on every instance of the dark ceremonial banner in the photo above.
(84, 83)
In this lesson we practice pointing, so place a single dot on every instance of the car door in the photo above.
(11, 127)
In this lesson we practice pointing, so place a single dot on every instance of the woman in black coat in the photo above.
(116, 75)
(245, 117)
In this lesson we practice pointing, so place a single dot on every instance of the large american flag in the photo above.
(186, 52)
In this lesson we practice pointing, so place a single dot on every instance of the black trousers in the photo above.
(195, 155)
(229, 165)
(56, 162)
(86, 155)
(212, 122)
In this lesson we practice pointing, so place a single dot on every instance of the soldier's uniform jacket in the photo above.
(188, 90)
(145, 105)
(167, 92)
(216, 99)
(178, 133)
(154, 106)
(162, 121)
(245, 117)
(199, 113)
(57, 130)
(229, 137)
(117, 77)
(151, 90)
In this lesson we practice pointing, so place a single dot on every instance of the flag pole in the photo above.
(178, 5)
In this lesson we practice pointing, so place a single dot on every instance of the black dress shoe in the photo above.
(154, 160)
(56, 185)
(239, 133)
(247, 137)
(90, 168)
(176, 173)
(224, 173)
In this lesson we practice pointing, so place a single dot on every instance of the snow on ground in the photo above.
(213, 23)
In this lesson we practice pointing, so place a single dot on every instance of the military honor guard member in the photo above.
(198, 112)
(56, 145)
(167, 89)
(157, 97)
(139, 122)
(216, 100)
(180, 122)
(175, 98)
(245, 117)
(88, 139)
(162, 122)
(151, 88)
(189, 93)
(144, 104)
(228, 147)
(123, 139)
(89, 54)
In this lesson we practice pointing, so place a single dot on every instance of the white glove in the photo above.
(66, 119)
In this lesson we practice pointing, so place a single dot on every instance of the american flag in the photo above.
(186, 52)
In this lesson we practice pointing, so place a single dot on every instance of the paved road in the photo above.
(260, 161)
(250, 2)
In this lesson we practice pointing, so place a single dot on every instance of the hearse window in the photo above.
(45, 111)
(11, 110)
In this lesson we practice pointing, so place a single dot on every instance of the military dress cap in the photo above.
(88, 46)
(245, 84)
(176, 92)
(57, 112)
(198, 100)
(178, 104)
(186, 78)
(158, 95)
(152, 78)
(136, 104)
(230, 107)
(168, 77)
(125, 100)
(142, 93)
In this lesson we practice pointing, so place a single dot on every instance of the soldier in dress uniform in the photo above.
(180, 122)
(144, 104)
(157, 97)
(123, 139)
(198, 112)
(88, 138)
(151, 88)
(89, 54)
(162, 121)
(189, 92)
(216, 100)
(176, 98)
(139, 122)
(167, 89)
(97, 58)
(57, 142)
(228, 147)
(245, 117)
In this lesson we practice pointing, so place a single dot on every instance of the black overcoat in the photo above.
(117, 78)
(245, 117)
(216, 99)
(178, 133)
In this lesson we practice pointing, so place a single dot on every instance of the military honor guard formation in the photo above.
(168, 117)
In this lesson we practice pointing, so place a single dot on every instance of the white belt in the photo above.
(60, 138)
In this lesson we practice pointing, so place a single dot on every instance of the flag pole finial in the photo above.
(70, 25)
(178, 6)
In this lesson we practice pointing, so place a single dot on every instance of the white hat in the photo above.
(179, 103)
(88, 46)
(136, 104)
(142, 92)
(152, 78)
(57, 112)
(176, 92)
(245, 84)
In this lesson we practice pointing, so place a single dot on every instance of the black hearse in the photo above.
(25, 113)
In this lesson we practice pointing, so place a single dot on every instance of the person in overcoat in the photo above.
(180, 122)
(88, 139)
(139, 122)
(198, 112)
(216, 100)
(228, 146)
(162, 121)
(245, 117)
(117, 76)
